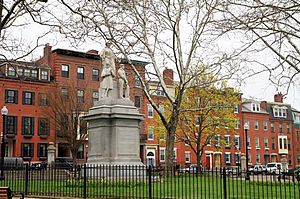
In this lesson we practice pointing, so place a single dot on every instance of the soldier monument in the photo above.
(113, 121)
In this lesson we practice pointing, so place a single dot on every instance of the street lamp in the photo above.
(246, 128)
(4, 113)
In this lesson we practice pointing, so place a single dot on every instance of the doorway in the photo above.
(150, 158)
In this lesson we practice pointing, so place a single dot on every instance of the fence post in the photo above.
(150, 183)
(84, 181)
(26, 178)
(224, 183)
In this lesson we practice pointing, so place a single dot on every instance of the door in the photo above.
(208, 161)
(150, 158)
(266, 159)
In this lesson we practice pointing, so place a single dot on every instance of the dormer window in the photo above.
(11, 71)
(279, 111)
(255, 107)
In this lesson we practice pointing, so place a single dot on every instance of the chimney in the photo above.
(263, 105)
(278, 98)
(47, 54)
(168, 76)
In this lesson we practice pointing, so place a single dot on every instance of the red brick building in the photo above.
(273, 133)
(23, 87)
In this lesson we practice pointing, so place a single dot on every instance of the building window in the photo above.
(257, 142)
(44, 126)
(43, 99)
(20, 72)
(257, 158)
(238, 124)
(279, 111)
(289, 144)
(26, 72)
(227, 141)
(255, 107)
(273, 144)
(137, 81)
(265, 125)
(255, 124)
(137, 101)
(248, 123)
(248, 142)
(236, 108)
(80, 96)
(174, 155)
(95, 96)
(197, 121)
(280, 128)
(28, 98)
(44, 75)
(266, 142)
(288, 128)
(150, 110)
(11, 96)
(80, 72)
(64, 70)
(65, 93)
(162, 152)
(27, 149)
(237, 157)
(237, 141)
(160, 91)
(27, 125)
(11, 71)
(11, 125)
(187, 155)
(80, 152)
(272, 127)
(290, 159)
(95, 74)
(227, 157)
(150, 133)
(42, 150)
(34, 73)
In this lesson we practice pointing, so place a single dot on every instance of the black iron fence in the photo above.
(105, 181)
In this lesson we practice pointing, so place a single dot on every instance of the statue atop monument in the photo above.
(109, 70)
(108, 57)
(122, 80)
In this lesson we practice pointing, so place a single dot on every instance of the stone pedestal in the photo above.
(51, 153)
(114, 131)
(243, 163)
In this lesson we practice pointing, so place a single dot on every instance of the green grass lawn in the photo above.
(183, 186)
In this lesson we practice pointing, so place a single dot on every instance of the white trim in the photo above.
(208, 152)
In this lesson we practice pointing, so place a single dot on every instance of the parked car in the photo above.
(12, 163)
(259, 169)
(233, 170)
(64, 163)
(275, 168)
(193, 168)
(251, 168)
(293, 171)
(38, 166)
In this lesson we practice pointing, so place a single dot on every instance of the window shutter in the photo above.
(235, 157)
(230, 158)
(38, 150)
(31, 149)
(240, 143)
(33, 98)
(23, 125)
(6, 96)
(23, 97)
(22, 150)
(32, 126)
(16, 97)
(225, 158)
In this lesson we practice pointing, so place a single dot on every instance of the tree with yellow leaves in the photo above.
(206, 115)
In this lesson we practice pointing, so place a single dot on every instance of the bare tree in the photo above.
(270, 30)
(67, 106)
(16, 19)
(175, 34)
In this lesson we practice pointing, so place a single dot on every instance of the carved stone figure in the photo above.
(108, 57)
(122, 80)
(107, 83)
